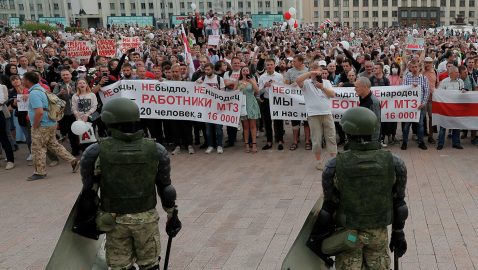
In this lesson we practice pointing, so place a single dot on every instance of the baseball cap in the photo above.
(428, 59)
(322, 63)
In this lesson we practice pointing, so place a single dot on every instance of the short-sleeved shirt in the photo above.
(316, 102)
(292, 74)
(38, 99)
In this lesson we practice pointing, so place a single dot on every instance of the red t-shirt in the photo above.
(442, 76)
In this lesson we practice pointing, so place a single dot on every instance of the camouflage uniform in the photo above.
(44, 139)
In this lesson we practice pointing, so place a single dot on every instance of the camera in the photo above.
(319, 78)
(105, 74)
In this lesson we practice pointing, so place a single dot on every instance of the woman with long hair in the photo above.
(84, 105)
(248, 86)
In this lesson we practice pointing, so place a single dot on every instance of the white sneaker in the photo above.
(219, 150)
(29, 158)
(383, 144)
(10, 165)
(176, 151)
(320, 165)
(191, 150)
(209, 150)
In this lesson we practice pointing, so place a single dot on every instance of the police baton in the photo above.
(168, 249)
(395, 261)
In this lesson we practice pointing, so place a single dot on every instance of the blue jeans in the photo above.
(421, 128)
(455, 136)
(210, 128)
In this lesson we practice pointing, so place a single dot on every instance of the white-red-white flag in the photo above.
(455, 110)
(187, 52)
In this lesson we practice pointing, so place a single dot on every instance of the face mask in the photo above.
(394, 71)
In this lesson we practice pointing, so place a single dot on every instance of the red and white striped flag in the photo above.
(455, 110)
(187, 53)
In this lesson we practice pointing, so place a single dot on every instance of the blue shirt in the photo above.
(37, 99)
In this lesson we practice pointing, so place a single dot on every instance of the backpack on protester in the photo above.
(56, 106)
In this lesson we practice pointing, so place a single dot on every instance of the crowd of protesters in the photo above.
(248, 60)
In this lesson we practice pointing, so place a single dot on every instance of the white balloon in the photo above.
(193, 6)
(150, 36)
(17, 34)
(79, 127)
(415, 31)
(292, 11)
(48, 39)
(324, 35)
(92, 30)
(291, 22)
(392, 47)
(352, 34)
(345, 44)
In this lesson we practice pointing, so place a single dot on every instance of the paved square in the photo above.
(243, 211)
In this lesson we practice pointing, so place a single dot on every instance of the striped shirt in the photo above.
(421, 81)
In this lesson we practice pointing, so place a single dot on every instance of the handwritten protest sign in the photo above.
(179, 100)
(22, 103)
(78, 49)
(213, 40)
(416, 44)
(398, 103)
(129, 43)
(106, 47)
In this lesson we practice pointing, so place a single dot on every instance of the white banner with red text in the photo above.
(398, 103)
(178, 100)
(455, 110)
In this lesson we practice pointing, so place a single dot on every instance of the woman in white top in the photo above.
(84, 102)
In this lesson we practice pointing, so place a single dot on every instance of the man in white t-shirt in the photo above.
(317, 95)
(213, 130)
(231, 78)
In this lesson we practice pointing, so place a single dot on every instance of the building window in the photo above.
(375, 24)
(249, 5)
(443, 3)
(462, 13)
(55, 6)
(471, 3)
(365, 14)
(404, 3)
(268, 4)
(133, 6)
(20, 7)
(209, 4)
(259, 4)
(99, 5)
(316, 3)
(462, 3)
(356, 14)
(279, 4)
(434, 3)
(181, 5)
(112, 6)
(336, 3)
(394, 3)
(326, 3)
(122, 6)
(385, 13)
(424, 14)
(336, 14)
(316, 14)
(384, 3)
(356, 25)
(384, 24)
(395, 13)
(375, 14)
(229, 5)
(356, 3)
(239, 4)
(452, 3)
(365, 24)
(414, 14)
(365, 3)
(404, 14)
(346, 14)
(375, 3)
(452, 13)
(327, 14)
(171, 5)
(471, 14)
(151, 5)
(346, 3)
(433, 14)
(143, 5)
(39, 6)
(414, 3)
(442, 13)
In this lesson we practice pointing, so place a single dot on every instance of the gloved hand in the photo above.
(398, 244)
(315, 244)
(173, 225)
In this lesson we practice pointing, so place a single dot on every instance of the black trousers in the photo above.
(6, 145)
(278, 124)
(155, 128)
(168, 126)
(199, 127)
(183, 132)
(65, 129)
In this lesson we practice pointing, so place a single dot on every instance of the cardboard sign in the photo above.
(106, 47)
(415, 44)
(129, 43)
(213, 40)
(22, 103)
(78, 49)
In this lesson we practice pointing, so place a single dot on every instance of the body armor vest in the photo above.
(365, 179)
(128, 174)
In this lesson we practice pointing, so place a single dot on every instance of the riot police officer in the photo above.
(364, 191)
(129, 170)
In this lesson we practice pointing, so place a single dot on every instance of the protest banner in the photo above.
(415, 44)
(356, 42)
(179, 100)
(22, 103)
(106, 47)
(213, 40)
(78, 49)
(455, 110)
(129, 43)
(398, 103)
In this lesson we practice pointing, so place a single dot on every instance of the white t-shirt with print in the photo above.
(316, 102)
